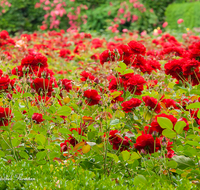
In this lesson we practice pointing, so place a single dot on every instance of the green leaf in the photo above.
(27, 94)
(172, 164)
(41, 155)
(40, 139)
(193, 143)
(179, 126)
(165, 123)
(140, 180)
(128, 71)
(2, 154)
(24, 155)
(65, 131)
(64, 110)
(193, 105)
(17, 114)
(183, 162)
(169, 133)
(114, 156)
(15, 142)
(19, 125)
(114, 122)
(135, 156)
(125, 155)
(198, 114)
(122, 65)
(13, 77)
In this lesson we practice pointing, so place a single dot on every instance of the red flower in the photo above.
(174, 68)
(135, 84)
(152, 103)
(17, 71)
(85, 75)
(169, 103)
(114, 83)
(4, 83)
(37, 117)
(67, 84)
(129, 105)
(147, 143)
(106, 56)
(34, 61)
(64, 53)
(43, 86)
(191, 66)
(136, 47)
(5, 116)
(92, 96)
(118, 141)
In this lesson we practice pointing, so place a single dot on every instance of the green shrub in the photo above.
(21, 16)
(189, 12)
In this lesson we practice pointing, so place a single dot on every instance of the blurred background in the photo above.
(97, 15)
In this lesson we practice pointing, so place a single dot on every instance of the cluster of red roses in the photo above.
(5, 39)
(131, 54)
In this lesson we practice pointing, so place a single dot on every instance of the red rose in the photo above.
(64, 53)
(43, 86)
(17, 71)
(67, 84)
(37, 117)
(114, 83)
(106, 56)
(152, 103)
(4, 83)
(34, 61)
(134, 84)
(116, 139)
(136, 47)
(85, 75)
(147, 143)
(129, 105)
(1, 72)
(5, 116)
(92, 96)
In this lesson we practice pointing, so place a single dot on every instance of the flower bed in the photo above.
(126, 109)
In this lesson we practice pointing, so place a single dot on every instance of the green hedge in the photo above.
(21, 16)
(189, 12)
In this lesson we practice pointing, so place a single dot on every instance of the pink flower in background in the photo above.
(109, 13)
(180, 21)
(134, 18)
(184, 35)
(165, 24)
(125, 30)
(122, 21)
(144, 33)
(121, 10)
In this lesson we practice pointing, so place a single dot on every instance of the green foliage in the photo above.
(21, 16)
(29, 175)
(189, 12)
(159, 7)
